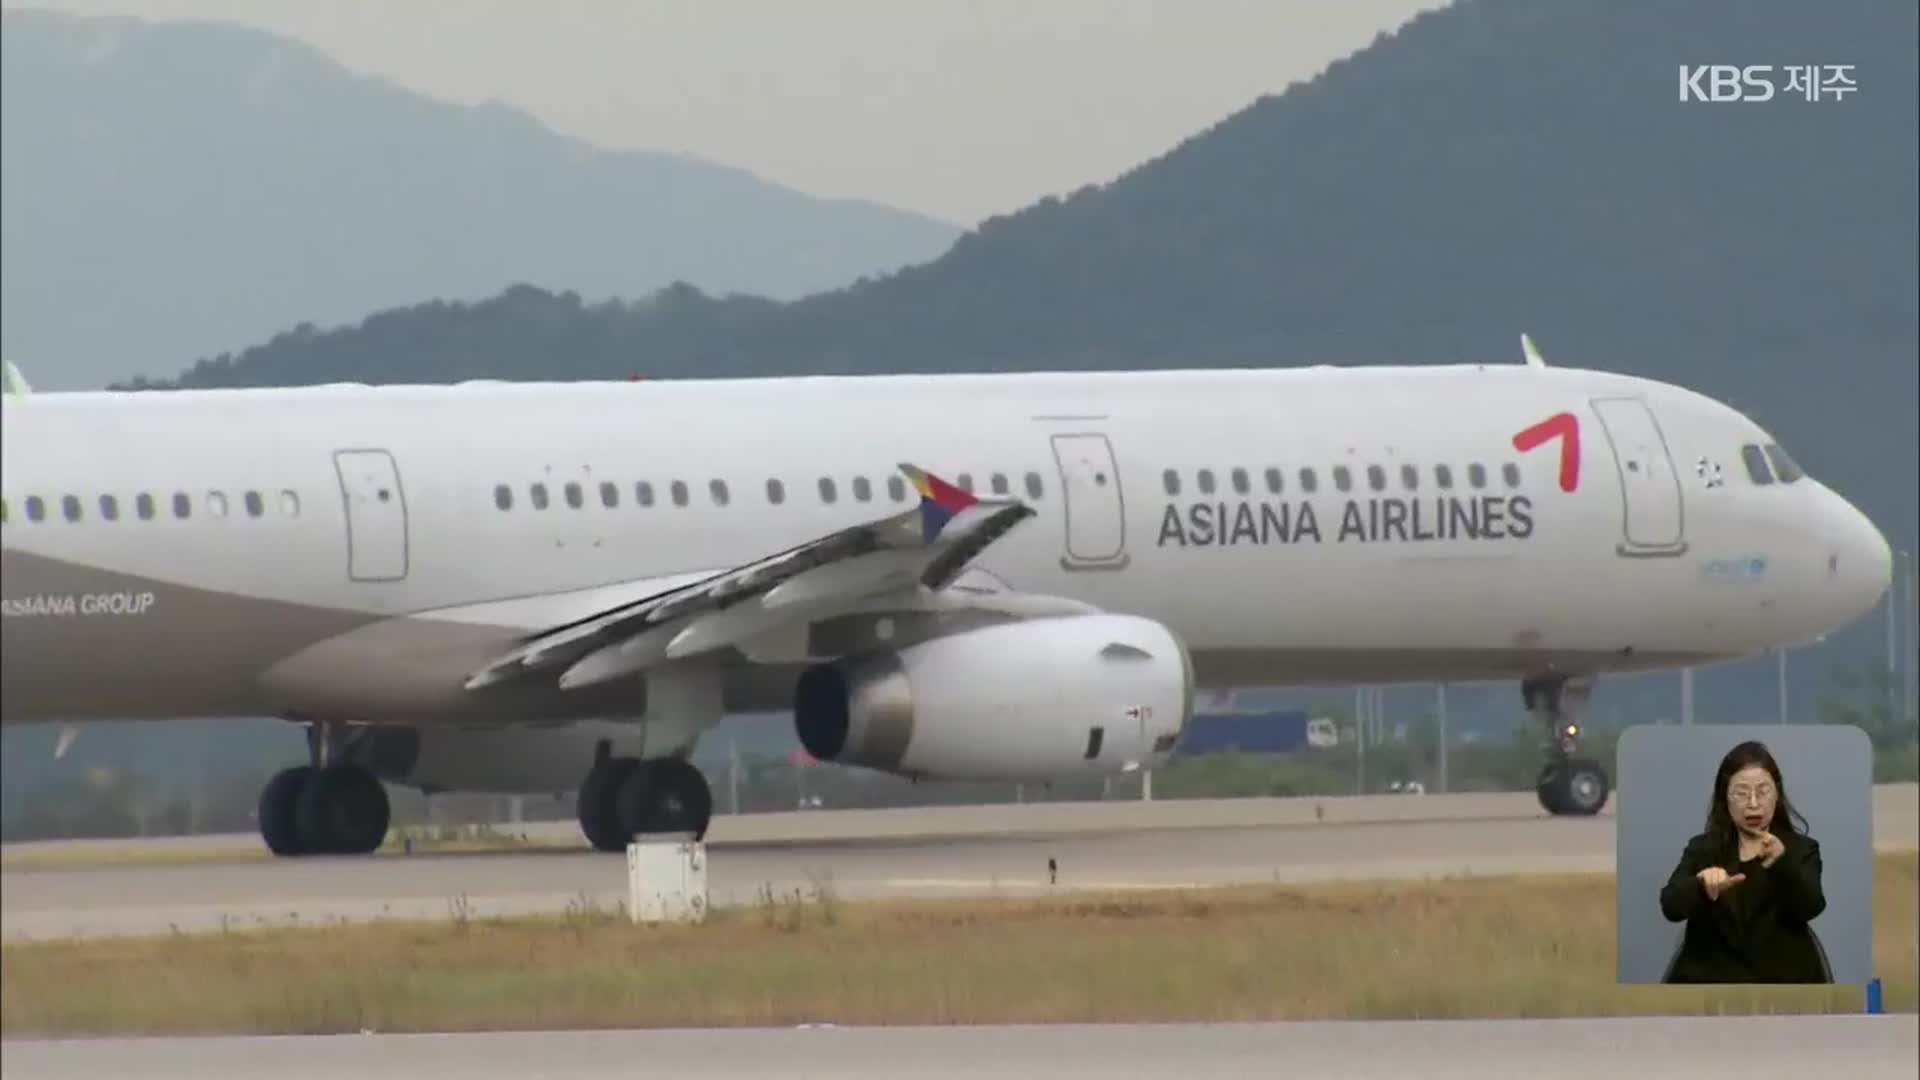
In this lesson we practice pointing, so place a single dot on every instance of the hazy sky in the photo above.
(957, 108)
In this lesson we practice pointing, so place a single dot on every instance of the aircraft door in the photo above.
(376, 515)
(1096, 520)
(1653, 516)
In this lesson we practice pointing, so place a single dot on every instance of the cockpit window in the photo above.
(1785, 467)
(1757, 468)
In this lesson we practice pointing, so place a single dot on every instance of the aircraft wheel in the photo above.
(666, 795)
(1585, 789)
(342, 810)
(279, 826)
(1574, 787)
(598, 807)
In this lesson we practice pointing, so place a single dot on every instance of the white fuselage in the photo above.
(364, 563)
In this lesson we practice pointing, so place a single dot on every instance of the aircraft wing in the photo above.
(927, 547)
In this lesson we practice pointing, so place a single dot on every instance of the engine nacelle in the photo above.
(497, 761)
(1015, 701)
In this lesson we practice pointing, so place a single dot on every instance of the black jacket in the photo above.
(1757, 931)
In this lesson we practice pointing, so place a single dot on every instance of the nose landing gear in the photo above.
(1569, 783)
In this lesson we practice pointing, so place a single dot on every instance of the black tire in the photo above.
(279, 822)
(597, 807)
(363, 811)
(686, 800)
(1584, 790)
(342, 810)
(1549, 785)
(667, 795)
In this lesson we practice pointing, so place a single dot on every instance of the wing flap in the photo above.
(926, 547)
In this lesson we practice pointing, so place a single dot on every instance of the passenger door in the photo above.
(1095, 508)
(376, 509)
(1653, 514)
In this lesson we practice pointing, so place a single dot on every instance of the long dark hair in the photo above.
(1721, 833)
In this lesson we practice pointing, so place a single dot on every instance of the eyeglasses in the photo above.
(1756, 793)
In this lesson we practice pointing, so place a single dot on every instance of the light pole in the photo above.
(1782, 655)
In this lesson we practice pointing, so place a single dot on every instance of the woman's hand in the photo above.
(1716, 881)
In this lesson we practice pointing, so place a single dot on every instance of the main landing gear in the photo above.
(625, 797)
(323, 808)
(1569, 783)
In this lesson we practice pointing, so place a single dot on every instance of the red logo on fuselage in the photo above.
(1565, 427)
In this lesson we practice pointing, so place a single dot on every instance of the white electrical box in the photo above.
(667, 882)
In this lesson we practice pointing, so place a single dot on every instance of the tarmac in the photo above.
(857, 854)
(1706, 1048)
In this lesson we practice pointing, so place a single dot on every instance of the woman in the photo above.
(1748, 886)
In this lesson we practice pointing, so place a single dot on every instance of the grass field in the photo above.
(1512, 947)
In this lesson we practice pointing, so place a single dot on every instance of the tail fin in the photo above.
(16, 383)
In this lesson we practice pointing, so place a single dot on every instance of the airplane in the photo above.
(492, 586)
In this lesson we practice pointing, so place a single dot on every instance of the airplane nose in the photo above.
(1860, 561)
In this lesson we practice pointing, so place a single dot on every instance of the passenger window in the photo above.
(289, 504)
(1443, 477)
(575, 498)
(643, 493)
(36, 508)
(539, 496)
(502, 496)
(182, 505)
(6, 513)
(1309, 482)
(776, 492)
(70, 507)
(143, 506)
(1273, 481)
(678, 491)
(609, 494)
(1000, 485)
(1511, 474)
(216, 504)
(1171, 481)
(1342, 478)
(109, 508)
(1240, 483)
(896, 489)
(1376, 478)
(1477, 475)
(1205, 481)
(1410, 477)
(862, 490)
(827, 492)
(718, 489)
(255, 506)
(1787, 469)
(966, 482)
(1757, 468)
(1034, 487)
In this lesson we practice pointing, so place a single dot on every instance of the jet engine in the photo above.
(1022, 700)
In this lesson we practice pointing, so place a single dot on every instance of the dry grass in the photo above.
(1488, 947)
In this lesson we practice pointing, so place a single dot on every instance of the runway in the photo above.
(1750, 1048)
(932, 851)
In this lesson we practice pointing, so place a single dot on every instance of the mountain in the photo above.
(176, 189)
(1492, 167)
